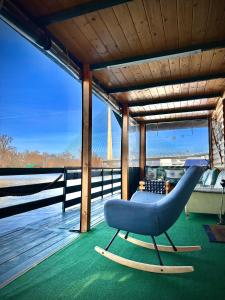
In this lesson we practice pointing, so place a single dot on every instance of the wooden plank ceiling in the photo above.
(144, 27)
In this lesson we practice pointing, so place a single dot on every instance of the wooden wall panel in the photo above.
(218, 140)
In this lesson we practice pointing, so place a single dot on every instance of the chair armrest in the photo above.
(131, 216)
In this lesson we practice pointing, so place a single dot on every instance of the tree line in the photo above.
(11, 157)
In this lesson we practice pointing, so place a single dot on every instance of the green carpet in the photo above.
(78, 272)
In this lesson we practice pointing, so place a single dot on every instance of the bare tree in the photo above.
(5, 143)
(7, 151)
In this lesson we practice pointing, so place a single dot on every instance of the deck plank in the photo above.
(36, 235)
(21, 244)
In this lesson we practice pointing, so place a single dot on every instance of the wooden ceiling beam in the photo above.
(145, 102)
(166, 120)
(172, 110)
(180, 52)
(165, 83)
(76, 11)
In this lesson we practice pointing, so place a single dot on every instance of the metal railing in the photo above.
(106, 180)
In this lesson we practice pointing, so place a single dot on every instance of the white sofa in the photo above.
(206, 198)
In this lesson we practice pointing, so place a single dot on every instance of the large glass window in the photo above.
(134, 144)
(106, 136)
(40, 117)
(134, 150)
(173, 143)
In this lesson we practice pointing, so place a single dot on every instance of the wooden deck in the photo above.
(29, 238)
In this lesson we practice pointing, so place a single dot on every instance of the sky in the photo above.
(41, 103)
(178, 141)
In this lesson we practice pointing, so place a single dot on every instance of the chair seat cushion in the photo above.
(146, 197)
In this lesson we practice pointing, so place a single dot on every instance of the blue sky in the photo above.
(41, 103)
(179, 141)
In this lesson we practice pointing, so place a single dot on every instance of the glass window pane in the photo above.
(173, 143)
(106, 136)
(116, 140)
(134, 144)
(40, 118)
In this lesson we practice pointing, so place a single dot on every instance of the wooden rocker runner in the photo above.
(160, 247)
(151, 214)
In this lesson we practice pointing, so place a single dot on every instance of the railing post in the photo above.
(64, 190)
(112, 180)
(124, 152)
(102, 183)
(86, 149)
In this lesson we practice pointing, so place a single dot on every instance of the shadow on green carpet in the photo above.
(78, 272)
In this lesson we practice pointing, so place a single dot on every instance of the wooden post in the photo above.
(109, 135)
(210, 141)
(85, 211)
(64, 189)
(124, 152)
(142, 158)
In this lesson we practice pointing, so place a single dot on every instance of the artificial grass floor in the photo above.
(78, 272)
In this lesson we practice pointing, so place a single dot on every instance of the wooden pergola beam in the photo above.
(77, 10)
(125, 153)
(165, 83)
(167, 120)
(172, 110)
(180, 52)
(142, 160)
(172, 99)
(86, 149)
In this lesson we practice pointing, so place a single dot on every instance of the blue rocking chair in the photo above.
(151, 214)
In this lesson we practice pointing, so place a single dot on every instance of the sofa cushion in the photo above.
(211, 178)
(204, 176)
(219, 178)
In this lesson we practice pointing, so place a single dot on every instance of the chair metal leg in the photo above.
(113, 238)
(169, 239)
(126, 235)
(157, 251)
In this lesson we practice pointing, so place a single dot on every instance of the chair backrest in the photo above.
(170, 207)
